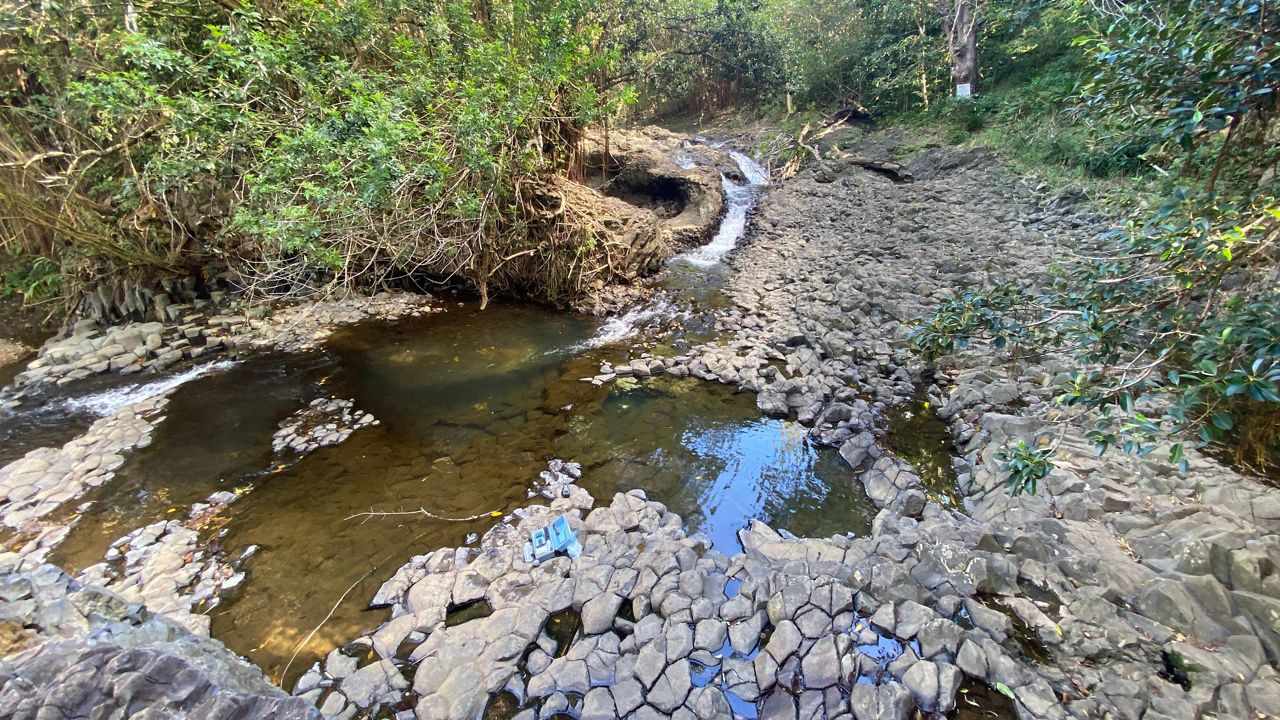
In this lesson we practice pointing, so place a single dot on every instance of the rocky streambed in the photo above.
(781, 516)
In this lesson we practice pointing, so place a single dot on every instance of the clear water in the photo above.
(472, 406)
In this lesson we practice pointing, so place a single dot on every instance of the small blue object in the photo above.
(554, 538)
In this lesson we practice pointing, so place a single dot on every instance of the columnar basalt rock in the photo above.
(323, 422)
(194, 331)
(69, 649)
(648, 622)
(1094, 596)
(170, 569)
(1124, 588)
(36, 489)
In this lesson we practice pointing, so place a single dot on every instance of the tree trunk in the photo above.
(960, 21)
(922, 26)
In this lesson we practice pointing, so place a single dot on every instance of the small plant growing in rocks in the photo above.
(1026, 466)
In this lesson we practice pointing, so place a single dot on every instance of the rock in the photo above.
(778, 706)
(887, 701)
(858, 449)
(784, 642)
(598, 705)
(672, 687)
(922, 680)
(710, 634)
(821, 665)
(598, 613)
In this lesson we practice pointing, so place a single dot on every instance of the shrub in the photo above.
(1026, 466)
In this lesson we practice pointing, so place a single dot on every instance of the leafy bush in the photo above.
(345, 143)
(1004, 316)
(1173, 75)
(34, 280)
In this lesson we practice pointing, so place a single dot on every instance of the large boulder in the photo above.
(629, 236)
(639, 167)
(73, 649)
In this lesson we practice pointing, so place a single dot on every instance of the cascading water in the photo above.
(108, 402)
(689, 270)
(629, 324)
(739, 198)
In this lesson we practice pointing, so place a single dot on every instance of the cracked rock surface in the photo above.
(1125, 588)
(73, 650)
(324, 422)
(34, 487)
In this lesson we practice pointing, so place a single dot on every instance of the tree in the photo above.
(960, 24)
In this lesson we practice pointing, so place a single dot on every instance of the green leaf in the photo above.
(1126, 401)
(1004, 690)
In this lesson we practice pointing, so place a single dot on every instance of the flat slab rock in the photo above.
(1073, 608)
(82, 651)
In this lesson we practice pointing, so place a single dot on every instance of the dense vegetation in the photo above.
(1174, 325)
(301, 144)
(304, 145)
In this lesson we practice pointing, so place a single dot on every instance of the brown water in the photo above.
(472, 406)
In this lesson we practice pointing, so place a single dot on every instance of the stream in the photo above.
(472, 405)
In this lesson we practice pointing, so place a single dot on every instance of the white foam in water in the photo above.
(108, 402)
(685, 161)
(756, 175)
(738, 198)
(626, 325)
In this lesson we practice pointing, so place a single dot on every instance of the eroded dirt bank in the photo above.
(1125, 588)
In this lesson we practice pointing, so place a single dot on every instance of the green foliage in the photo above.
(691, 55)
(891, 57)
(1180, 321)
(1004, 316)
(36, 280)
(885, 56)
(1026, 466)
(1173, 75)
(310, 144)
(1173, 327)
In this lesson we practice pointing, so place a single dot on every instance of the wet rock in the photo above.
(821, 665)
(324, 422)
(888, 701)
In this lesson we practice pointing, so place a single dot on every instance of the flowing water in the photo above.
(472, 405)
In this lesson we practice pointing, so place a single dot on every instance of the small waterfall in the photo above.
(628, 324)
(739, 198)
(108, 402)
(755, 173)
